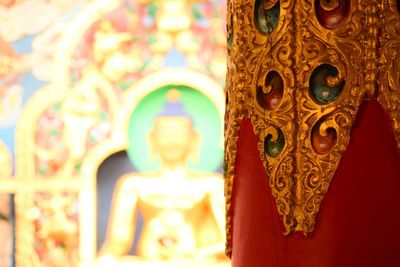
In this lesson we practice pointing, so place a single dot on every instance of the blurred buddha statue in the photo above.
(183, 210)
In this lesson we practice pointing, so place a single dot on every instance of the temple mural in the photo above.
(111, 143)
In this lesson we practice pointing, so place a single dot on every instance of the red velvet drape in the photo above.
(359, 220)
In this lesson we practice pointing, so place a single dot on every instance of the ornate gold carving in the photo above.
(389, 67)
(233, 115)
(326, 54)
(341, 49)
(251, 57)
(330, 5)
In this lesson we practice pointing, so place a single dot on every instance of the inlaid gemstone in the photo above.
(325, 84)
(230, 35)
(230, 40)
(269, 94)
(266, 15)
(273, 145)
(331, 13)
(323, 140)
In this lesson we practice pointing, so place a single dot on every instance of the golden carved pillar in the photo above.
(306, 75)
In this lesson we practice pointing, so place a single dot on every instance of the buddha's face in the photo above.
(173, 137)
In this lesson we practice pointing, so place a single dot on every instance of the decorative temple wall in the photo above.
(82, 84)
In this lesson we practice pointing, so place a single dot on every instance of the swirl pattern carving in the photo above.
(301, 80)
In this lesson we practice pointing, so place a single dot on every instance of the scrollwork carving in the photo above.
(389, 69)
(301, 83)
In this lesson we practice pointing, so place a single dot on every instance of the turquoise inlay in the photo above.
(274, 148)
(266, 19)
(320, 90)
(230, 39)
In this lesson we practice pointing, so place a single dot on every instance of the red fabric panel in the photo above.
(359, 220)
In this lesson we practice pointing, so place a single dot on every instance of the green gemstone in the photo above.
(274, 148)
(267, 19)
(320, 91)
(230, 40)
(225, 168)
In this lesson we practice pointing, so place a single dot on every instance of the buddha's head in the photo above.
(173, 137)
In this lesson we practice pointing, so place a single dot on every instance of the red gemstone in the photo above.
(322, 144)
(331, 18)
(271, 99)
